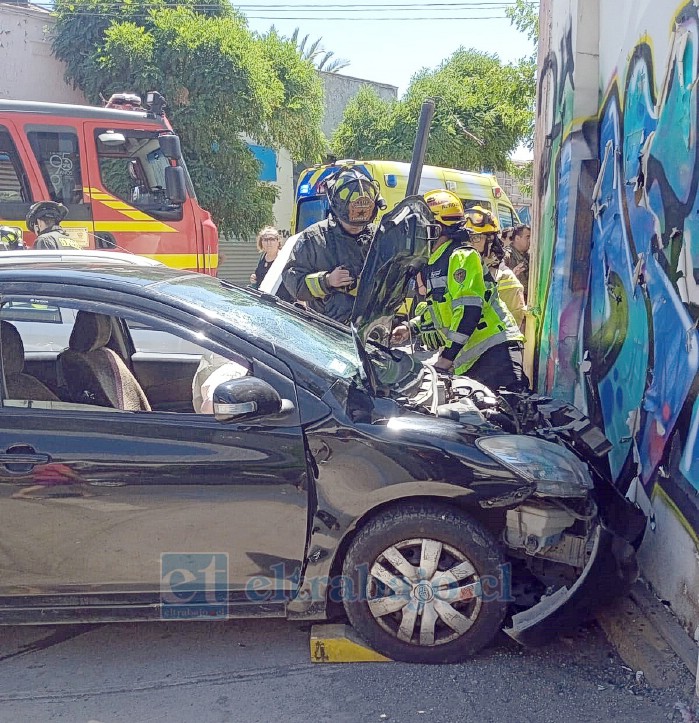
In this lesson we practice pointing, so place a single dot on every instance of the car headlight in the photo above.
(556, 471)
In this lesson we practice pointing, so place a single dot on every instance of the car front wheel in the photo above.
(425, 584)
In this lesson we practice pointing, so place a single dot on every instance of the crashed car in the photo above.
(331, 470)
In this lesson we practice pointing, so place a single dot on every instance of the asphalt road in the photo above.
(260, 671)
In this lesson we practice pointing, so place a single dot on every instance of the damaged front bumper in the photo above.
(609, 573)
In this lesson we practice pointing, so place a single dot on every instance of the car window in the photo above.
(168, 373)
(470, 203)
(311, 341)
(42, 325)
(505, 216)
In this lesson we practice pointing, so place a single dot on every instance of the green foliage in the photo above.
(525, 17)
(222, 83)
(474, 91)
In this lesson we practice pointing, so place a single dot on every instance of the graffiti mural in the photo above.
(618, 290)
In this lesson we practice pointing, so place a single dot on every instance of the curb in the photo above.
(647, 637)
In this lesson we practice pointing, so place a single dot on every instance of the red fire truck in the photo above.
(119, 171)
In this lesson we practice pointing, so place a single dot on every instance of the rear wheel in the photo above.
(425, 582)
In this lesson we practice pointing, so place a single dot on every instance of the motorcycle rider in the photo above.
(328, 257)
(44, 219)
(463, 314)
(10, 239)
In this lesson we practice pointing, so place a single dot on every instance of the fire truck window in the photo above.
(57, 153)
(134, 171)
(13, 182)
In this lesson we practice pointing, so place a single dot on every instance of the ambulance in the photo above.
(119, 170)
(474, 189)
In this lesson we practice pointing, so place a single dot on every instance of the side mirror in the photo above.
(246, 398)
(175, 185)
(170, 146)
(111, 139)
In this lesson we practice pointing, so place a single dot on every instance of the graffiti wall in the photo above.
(617, 260)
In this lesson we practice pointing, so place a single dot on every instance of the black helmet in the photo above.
(49, 210)
(10, 238)
(354, 196)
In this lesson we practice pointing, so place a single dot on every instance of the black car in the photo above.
(328, 469)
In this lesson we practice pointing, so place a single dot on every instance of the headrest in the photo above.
(12, 348)
(90, 332)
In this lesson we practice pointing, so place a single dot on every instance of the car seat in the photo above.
(94, 374)
(20, 385)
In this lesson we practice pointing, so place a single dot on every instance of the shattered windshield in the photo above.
(321, 345)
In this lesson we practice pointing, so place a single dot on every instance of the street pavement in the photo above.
(260, 671)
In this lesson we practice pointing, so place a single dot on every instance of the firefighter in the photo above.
(327, 259)
(463, 315)
(44, 219)
(10, 239)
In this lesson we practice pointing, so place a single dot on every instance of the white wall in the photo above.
(29, 71)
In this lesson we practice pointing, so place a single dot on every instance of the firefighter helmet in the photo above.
(10, 238)
(48, 210)
(446, 207)
(354, 196)
(480, 220)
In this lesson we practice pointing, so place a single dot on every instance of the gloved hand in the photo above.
(430, 337)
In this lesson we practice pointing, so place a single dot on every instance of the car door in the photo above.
(101, 500)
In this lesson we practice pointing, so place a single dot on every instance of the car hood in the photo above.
(398, 251)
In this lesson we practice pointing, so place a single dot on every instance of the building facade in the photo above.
(615, 270)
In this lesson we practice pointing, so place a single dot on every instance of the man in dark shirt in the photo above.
(329, 255)
(518, 256)
(44, 219)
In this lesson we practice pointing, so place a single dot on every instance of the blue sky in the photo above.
(391, 51)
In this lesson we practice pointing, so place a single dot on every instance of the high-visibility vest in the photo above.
(456, 282)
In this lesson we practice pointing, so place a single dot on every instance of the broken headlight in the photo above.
(556, 471)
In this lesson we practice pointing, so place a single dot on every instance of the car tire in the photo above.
(415, 584)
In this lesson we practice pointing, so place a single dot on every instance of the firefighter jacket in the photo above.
(320, 249)
(54, 239)
(465, 305)
(511, 292)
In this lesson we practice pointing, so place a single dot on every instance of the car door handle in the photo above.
(23, 455)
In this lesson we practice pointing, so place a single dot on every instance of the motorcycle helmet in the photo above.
(47, 210)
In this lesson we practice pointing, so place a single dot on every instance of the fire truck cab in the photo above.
(119, 171)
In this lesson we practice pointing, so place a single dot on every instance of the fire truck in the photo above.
(119, 171)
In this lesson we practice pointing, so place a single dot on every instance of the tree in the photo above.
(223, 85)
(317, 54)
(474, 92)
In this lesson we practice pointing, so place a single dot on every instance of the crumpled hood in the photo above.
(398, 251)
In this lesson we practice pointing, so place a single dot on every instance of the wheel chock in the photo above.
(340, 644)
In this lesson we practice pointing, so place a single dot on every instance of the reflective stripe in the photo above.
(466, 358)
(467, 301)
(439, 282)
(457, 338)
(313, 284)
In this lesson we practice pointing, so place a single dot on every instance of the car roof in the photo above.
(39, 256)
(100, 275)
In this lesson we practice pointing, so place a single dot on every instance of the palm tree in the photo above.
(317, 54)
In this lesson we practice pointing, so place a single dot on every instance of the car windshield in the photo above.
(311, 341)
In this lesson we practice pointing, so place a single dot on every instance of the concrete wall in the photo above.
(340, 89)
(615, 275)
(29, 71)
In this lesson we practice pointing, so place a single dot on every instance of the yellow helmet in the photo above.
(480, 220)
(445, 206)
